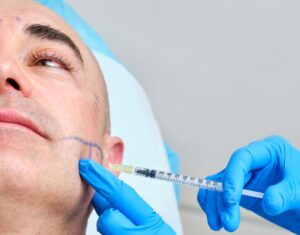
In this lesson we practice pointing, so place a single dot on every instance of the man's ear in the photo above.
(114, 149)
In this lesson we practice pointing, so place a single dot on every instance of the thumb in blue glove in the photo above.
(271, 166)
(121, 209)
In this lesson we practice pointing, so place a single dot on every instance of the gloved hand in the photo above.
(121, 210)
(271, 166)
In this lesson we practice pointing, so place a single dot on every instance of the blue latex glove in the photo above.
(271, 166)
(121, 210)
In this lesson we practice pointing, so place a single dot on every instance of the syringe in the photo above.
(179, 179)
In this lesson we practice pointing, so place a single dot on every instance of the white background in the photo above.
(218, 73)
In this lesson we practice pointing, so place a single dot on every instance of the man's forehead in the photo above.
(18, 13)
(37, 21)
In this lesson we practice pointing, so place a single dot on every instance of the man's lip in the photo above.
(15, 117)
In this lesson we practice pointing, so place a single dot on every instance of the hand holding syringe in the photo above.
(179, 179)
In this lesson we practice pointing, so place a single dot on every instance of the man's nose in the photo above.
(13, 79)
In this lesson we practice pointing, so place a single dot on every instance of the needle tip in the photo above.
(121, 168)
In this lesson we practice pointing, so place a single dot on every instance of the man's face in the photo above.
(52, 109)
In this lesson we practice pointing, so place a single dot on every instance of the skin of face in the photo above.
(45, 82)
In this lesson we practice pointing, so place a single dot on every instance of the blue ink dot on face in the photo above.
(18, 18)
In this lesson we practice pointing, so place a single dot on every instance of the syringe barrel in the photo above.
(179, 179)
(189, 180)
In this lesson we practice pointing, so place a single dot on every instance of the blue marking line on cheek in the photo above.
(90, 145)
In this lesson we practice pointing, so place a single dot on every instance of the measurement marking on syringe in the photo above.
(187, 180)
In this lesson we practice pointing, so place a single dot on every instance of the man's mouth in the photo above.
(13, 117)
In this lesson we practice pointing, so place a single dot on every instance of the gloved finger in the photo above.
(113, 222)
(207, 201)
(120, 195)
(281, 197)
(202, 193)
(254, 156)
(202, 198)
(229, 215)
(100, 203)
(212, 213)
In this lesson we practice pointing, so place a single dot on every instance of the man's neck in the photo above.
(29, 221)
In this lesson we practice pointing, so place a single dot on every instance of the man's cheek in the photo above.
(18, 174)
(28, 175)
(65, 187)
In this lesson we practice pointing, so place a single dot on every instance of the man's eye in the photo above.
(48, 63)
(50, 59)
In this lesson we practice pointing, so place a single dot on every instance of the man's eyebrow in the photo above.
(46, 32)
